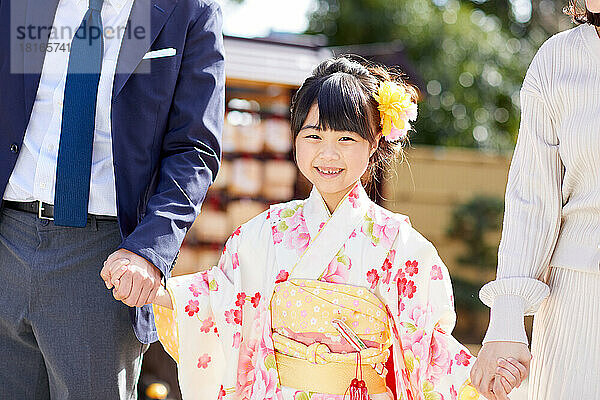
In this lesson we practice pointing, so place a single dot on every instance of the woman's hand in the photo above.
(496, 367)
(509, 375)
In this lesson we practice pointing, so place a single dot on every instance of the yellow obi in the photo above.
(317, 330)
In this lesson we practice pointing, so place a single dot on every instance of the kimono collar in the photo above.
(316, 212)
(335, 231)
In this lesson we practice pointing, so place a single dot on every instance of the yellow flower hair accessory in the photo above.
(396, 110)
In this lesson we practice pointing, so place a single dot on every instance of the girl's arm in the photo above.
(163, 298)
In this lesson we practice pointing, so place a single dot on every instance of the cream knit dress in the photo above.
(549, 257)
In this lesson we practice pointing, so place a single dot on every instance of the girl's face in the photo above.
(333, 161)
(593, 5)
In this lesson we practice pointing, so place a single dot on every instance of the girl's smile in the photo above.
(329, 173)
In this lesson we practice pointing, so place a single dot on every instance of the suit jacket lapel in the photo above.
(40, 13)
(144, 13)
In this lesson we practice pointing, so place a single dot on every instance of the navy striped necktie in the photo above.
(74, 163)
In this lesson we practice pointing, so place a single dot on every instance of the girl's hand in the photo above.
(509, 375)
(163, 298)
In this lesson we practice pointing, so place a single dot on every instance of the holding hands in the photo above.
(500, 367)
(134, 280)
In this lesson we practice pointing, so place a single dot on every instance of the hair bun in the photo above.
(341, 65)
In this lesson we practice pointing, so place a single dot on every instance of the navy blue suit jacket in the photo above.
(166, 123)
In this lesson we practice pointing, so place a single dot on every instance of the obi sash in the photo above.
(314, 323)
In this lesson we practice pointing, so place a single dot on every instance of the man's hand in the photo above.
(499, 358)
(135, 280)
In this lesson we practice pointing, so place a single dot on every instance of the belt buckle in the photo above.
(41, 210)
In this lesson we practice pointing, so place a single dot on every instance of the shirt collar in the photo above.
(117, 4)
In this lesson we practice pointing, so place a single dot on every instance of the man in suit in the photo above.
(109, 143)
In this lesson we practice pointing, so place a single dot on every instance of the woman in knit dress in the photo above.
(549, 256)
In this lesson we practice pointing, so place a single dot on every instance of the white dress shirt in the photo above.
(34, 175)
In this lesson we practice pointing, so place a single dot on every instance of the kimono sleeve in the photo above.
(430, 362)
(199, 331)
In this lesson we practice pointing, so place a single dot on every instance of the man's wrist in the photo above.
(146, 253)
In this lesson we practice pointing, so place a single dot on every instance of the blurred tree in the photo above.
(471, 54)
(472, 223)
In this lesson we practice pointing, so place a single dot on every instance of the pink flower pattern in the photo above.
(463, 358)
(338, 270)
(235, 261)
(387, 266)
(192, 307)
(292, 230)
(234, 316)
(453, 393)
(277, 235)
(410, 289)
(241, 299)
(237, 340)
(439, 358)
(255, 300)
(353, 197)
(412, 268)
(373, 278)
(282, 276)
(297, 237)
(379, 227)
(207, 324)
(436, 273)
(203, 361)
(199, 285)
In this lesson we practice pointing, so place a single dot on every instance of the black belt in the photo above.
(45, 211)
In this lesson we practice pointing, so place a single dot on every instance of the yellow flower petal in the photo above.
(395, 106)
(387, 127)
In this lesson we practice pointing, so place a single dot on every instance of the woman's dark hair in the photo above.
(582, 15)
(343, 90)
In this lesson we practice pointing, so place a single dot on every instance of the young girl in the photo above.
(310, 297)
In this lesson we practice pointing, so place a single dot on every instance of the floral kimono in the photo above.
(299, 290)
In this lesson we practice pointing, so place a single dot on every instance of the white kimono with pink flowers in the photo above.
(220, 329)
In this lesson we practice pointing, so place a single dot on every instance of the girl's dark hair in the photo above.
(343, 89)
(582, 15)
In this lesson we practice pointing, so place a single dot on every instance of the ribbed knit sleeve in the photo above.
(531, 219)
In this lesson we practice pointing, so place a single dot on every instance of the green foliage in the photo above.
(472, 223)
(466, 295)
(472, 62)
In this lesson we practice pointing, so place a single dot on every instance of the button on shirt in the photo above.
(34, 175)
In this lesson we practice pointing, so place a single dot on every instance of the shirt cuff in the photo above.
(507, 320)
